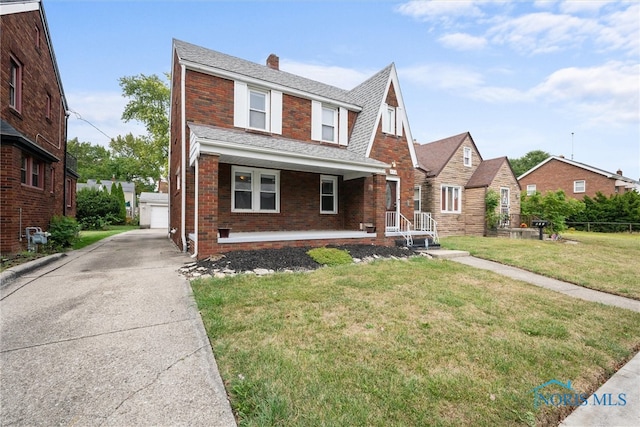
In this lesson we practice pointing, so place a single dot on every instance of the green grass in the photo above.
(399, 343)
(88, 237)
(603, 261)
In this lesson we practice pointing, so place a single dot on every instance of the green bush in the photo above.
(554, 207)
(64, 232)
(97, 209)
(491, 202)
(330, 256)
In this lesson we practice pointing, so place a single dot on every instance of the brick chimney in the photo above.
(619, 172)
(273, 62)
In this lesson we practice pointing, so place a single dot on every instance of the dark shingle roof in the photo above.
(486, 173)
(434, 156)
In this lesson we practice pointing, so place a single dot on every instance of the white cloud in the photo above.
(578, 6)
(444, 12)
(443, 77)
(461, 41)
(608, 93)
(96, 117)
(345, 78)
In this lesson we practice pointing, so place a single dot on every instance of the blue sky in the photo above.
(559, 76)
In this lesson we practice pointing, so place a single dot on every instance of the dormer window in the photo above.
(329, 122)
(257, 108)
(467, 156)
(258, 102)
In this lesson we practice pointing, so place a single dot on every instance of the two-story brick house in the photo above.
(37, 177)
(575, 179)
(452, 181)
(280, 159)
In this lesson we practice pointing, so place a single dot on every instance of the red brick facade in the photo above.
(38, 120)
(207, 181)
(559, 174)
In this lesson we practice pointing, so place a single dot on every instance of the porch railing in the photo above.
(423, 221)
(398, 223)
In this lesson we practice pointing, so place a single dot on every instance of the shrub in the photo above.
(491, 201)
(64, 232)
(330, 256)
(96, 209)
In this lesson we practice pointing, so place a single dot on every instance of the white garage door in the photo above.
(159, 217)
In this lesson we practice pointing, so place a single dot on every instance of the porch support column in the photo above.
(380, 206)
(207, 205)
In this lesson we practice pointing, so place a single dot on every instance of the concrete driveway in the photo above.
(108, 335)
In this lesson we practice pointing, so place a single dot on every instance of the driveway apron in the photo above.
(108, 335)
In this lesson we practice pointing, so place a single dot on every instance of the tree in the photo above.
(95, 209)
(94, 161)
(149, 101)
(532, 158)
(135, 159)
(554, 206)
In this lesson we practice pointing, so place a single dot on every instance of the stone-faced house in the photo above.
(575, 179)
(280, 159)
(452, 181)
(37, 175)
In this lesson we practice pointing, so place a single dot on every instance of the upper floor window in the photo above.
(328, 194)
(450, 199)
(48, 107)
(467, 156)
(579, 186)
(329, 124)
(531, 189)
(389, 120)
(256, 108)
(15, 85)
(255, 190)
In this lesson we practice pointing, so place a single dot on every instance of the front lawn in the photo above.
(603, 261)
(88, 237)
(404, 343)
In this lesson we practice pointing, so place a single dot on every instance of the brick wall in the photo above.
(557, 175)
(39, 80)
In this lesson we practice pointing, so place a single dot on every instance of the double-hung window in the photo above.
(328, 194)
(450, 199)
(329, 124)
(258, 101)
(389, 120)
(15, 85)
(255, 190)
(579, 186)
(31, 172)
(417, 191)
(467, 156)
(531, 189)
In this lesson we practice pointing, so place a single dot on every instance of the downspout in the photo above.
(64, 166)
(183, 171)
(197, 196)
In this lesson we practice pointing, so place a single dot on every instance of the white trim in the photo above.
(183, 164)
(575, 186)
(316, 120)
(255, 174)
(343, 127)
(196, 205)
(23, 6)
(448, 210)
(276, 112)
(466, 150)
(263, 83)
(240, 107)
(267, 108)
(531, 189)
(396, 179)
(419, 188)
(334, 181)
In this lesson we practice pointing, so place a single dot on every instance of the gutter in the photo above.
(183, 172)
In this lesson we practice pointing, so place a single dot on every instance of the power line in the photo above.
(79, 117)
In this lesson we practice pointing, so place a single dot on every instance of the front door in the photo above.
(505, 218)
(392, 201)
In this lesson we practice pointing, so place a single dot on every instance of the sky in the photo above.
(557, 76)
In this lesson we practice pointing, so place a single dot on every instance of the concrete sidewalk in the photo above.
(625, 381)
(108, 335)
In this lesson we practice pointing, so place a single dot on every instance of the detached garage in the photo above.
(154, 210)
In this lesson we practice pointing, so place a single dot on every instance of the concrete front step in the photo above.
(446, 253)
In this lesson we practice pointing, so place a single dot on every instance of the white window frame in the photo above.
(447, 189)
(576, 186)
(531, 189)
(255, 188)
(334, 182)
(466, 157)
(15, 84)
(340, 123)
(419, 199)
(242, 107)
(267, 115)
(334, 125)
(389, 119)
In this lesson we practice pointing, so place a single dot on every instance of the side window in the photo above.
(328, 194)
(467, 156)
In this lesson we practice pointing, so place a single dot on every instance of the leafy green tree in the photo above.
(134, 160)
(149, 101)
(94, 161)
(522, 164)
(554, 207)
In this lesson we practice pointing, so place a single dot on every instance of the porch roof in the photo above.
(254, 149)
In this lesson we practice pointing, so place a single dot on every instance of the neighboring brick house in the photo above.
(452, 181)
(283, 160)
(575, 179)
(37, 176)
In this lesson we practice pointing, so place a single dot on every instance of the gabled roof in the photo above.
(486, 173)
(147, 197)
(18, 6)
(584, 166)
(212, 60)
(434, 156)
